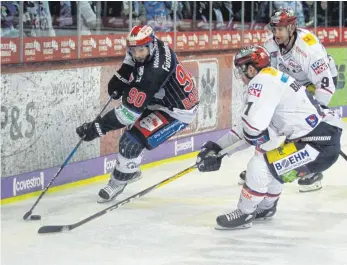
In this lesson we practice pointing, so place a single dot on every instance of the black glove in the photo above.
(91, 130)
(208, 159)
(115, 88)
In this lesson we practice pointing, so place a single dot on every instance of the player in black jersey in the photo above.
(159, 98)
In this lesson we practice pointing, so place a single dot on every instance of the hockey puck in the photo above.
(35, 217)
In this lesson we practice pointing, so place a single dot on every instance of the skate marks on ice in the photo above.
(292, 237)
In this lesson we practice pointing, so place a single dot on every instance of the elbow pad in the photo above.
(258, 139)
(110, 122)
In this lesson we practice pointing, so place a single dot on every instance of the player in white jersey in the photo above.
(299, 53)
(292, 134)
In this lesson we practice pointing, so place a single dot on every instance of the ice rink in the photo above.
(174, 225)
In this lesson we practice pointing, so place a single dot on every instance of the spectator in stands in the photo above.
(217, 14)
(61, 12)
(184, 9)
(294, 5)
(158, 15)
(262, 16)
(203, 14)
(138, 12)
(308, 13)
(227, 11)
(88, 18)
(328, 13)
(37, 19)
(9, 18)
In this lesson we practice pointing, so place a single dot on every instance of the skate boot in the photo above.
(235, 220)
(242, 178)
(111, 191)
(310, 182)
(114, 188)
(264, 214)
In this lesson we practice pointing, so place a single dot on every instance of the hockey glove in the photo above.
(91, 130)
(114, 89)
(208, 159)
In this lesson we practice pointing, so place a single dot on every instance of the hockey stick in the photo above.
(66, 228)
(343, 155)
(38, 217)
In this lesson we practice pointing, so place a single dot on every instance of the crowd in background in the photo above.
(57, 18)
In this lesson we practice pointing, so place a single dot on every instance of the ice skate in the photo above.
(265, 214)
(115, 187)
(235, 220)
(311, 182)
(242, 178)
(111, 191)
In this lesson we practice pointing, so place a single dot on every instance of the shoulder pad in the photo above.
(269, 71)
(307, 38)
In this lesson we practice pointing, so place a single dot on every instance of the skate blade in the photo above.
(309, 188)
(135, 179)
(245, 226)
(263, 219)
(101, 200)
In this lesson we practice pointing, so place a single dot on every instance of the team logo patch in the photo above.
(255, 90)
(312, 120)
(319, 66)
(309, 39)
(284, 78)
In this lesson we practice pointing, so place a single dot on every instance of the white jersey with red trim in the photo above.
(307, 62)
(279, 103)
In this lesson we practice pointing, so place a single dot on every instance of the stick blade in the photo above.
(27, 215)
(53, 229)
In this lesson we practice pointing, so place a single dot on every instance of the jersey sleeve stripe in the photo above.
(232, 131)
(329, 91)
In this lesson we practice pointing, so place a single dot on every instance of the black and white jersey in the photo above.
(160, 83)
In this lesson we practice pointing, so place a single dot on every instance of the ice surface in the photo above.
(174, 225)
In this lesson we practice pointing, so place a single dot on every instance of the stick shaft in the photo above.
(61, 168)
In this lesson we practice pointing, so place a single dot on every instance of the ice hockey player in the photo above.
(299, 53)
(159, 98)
(292, 134)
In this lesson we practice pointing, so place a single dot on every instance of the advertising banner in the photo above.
(9, 50)
(36, 181)
(94, 46)
(50, 48)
